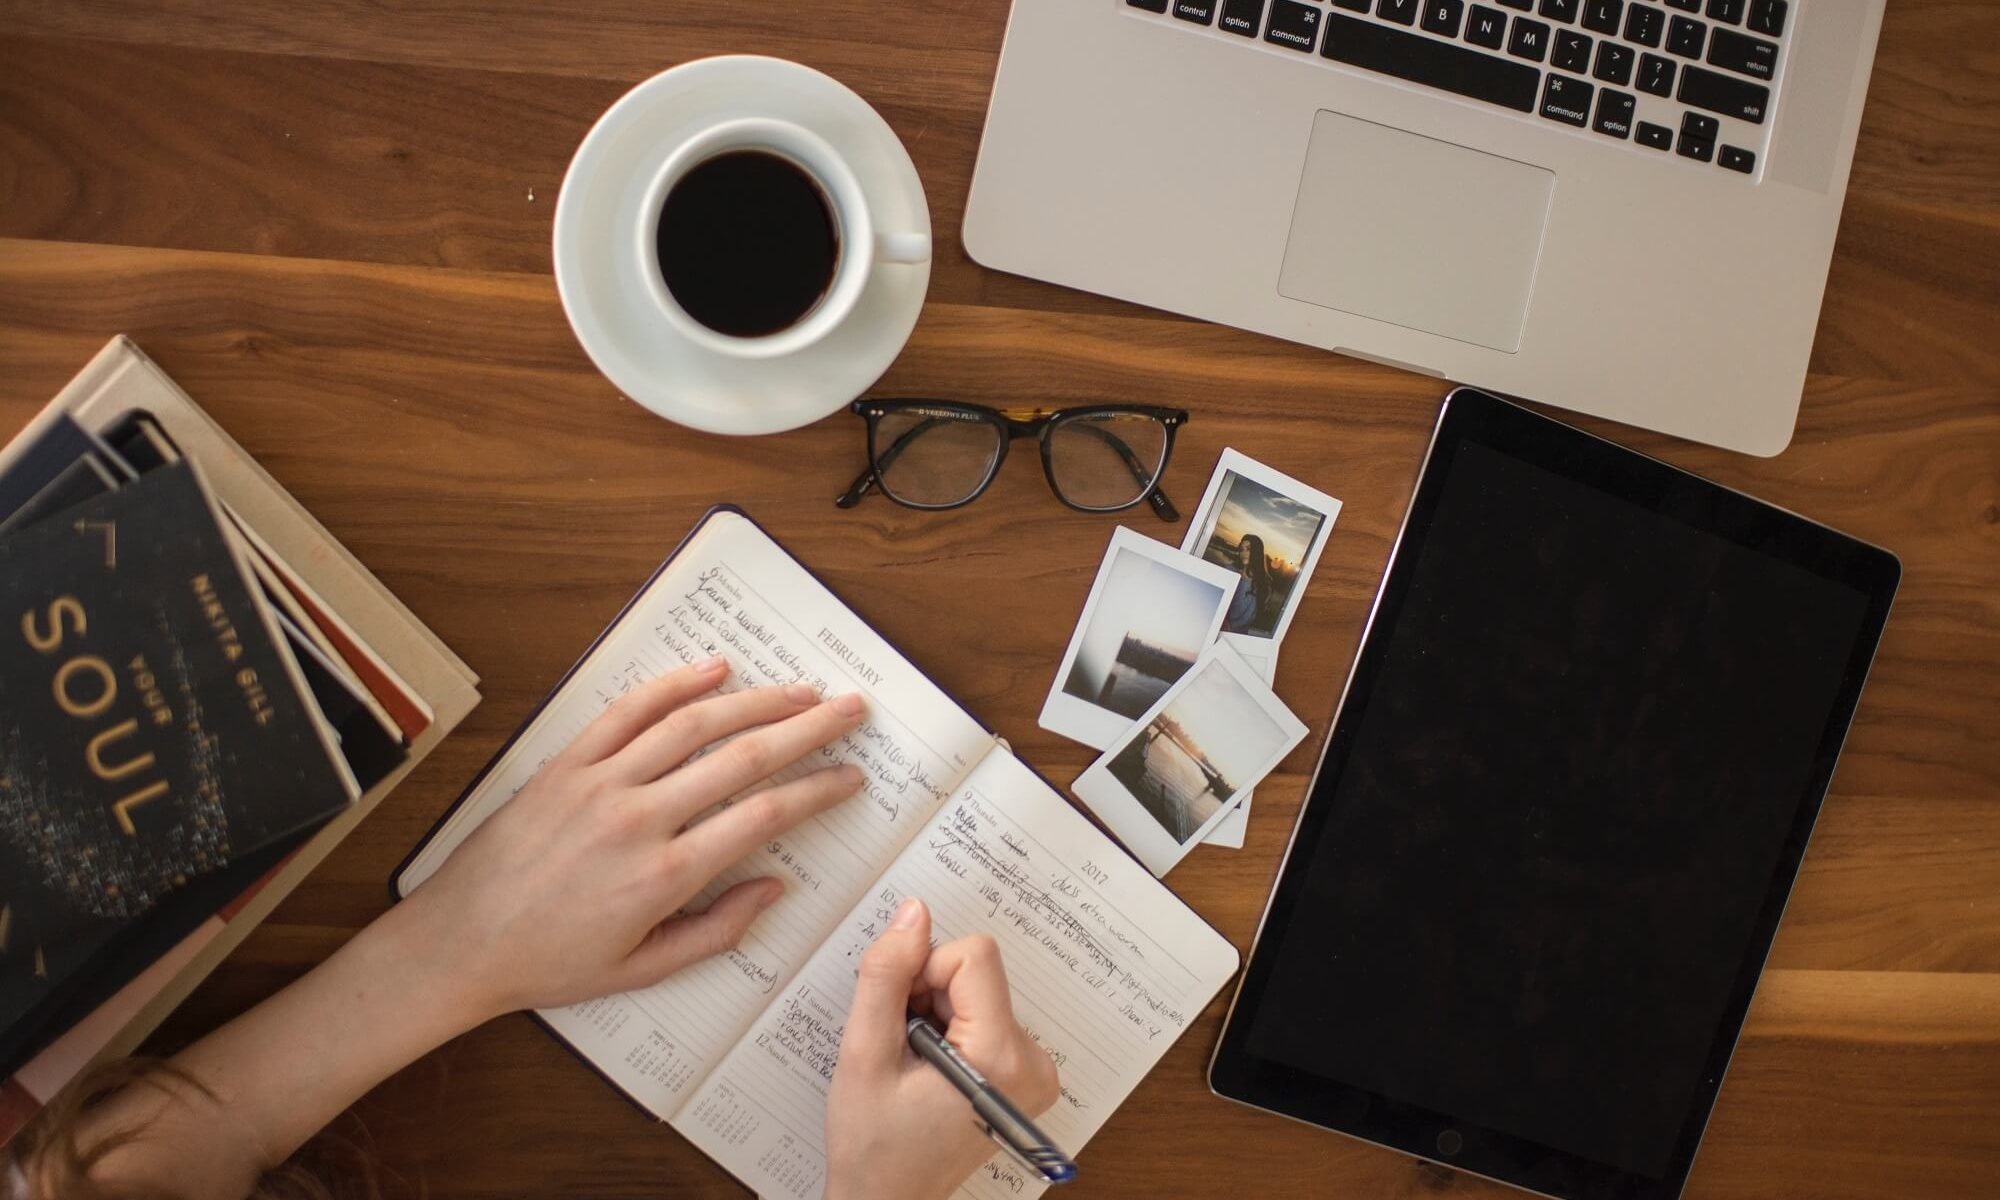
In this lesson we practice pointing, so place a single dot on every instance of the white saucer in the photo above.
(606, 298)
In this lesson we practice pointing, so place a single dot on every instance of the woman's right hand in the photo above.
(573, 890)
(896, 1129)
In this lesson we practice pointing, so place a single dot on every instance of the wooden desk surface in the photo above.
(330, 222)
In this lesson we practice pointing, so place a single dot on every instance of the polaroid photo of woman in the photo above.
(1268, 528)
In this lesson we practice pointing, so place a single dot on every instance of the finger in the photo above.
(757, 818)
(760, 754)
(973, 981)
(641, 708)
(877, 1019)
(681, 941)
(676, 737)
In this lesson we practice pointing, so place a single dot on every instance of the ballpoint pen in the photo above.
(1004, 1123)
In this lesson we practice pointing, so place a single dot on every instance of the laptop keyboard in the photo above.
(1688, 77)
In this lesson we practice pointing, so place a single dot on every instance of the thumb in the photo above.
(678, 942)
(876, 1020)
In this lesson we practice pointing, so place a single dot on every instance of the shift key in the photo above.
(1725, 94)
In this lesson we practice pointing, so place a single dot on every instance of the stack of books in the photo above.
(201, 693)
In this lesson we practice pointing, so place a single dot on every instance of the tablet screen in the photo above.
(1567, 792)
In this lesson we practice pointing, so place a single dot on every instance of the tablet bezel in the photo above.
(1470, 416)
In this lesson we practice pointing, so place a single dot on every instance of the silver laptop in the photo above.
(1624, 207)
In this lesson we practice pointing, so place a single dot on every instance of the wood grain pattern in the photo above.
(318, 218)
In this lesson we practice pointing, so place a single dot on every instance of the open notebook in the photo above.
(1107, 966)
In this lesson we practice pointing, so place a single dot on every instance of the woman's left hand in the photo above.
(571, 891)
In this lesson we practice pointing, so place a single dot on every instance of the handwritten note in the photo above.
(1107, 969)
(732, 592)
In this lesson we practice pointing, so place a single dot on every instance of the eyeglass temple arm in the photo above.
(865, 482)
(1157, 499)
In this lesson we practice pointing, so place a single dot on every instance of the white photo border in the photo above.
(1235, 462)
(1127, 818)
(1093, 725)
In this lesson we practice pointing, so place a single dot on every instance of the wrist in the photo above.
(409, 945)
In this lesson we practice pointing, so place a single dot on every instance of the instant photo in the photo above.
(1267, 529)
(1150, 614)
(1176, 773)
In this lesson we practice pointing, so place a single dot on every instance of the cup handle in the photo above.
(903, 247)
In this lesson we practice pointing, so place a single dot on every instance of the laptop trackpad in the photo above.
(1416, 232)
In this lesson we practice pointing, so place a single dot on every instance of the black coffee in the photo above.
(747, 243)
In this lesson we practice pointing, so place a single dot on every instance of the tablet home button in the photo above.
(1449, 1142)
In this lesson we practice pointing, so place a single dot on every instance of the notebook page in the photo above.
(1107, 967)
(732, 591)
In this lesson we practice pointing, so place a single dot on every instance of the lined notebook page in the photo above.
(1107, 969)
(732, 591)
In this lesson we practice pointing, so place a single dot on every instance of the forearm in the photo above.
(280, 1072)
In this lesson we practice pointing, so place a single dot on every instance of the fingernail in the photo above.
(710, 666)
(851, 776)
(907, 913)
(774, 890)
(800, 693)
(849, 705)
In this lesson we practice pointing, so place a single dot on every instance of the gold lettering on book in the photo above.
(93, 754)
(62, 606)
(6, 925)
(123, 809)
(110, 529)
(107, 693)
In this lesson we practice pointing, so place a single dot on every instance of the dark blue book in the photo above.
(153, 725)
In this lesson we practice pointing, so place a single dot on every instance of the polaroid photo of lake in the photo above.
(1150, 614)
(1181, 769)
(1268, 529)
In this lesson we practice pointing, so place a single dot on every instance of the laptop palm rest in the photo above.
(1416, 232)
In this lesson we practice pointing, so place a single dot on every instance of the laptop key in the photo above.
(1443, 17)
(1735, 51)
(1693, 6)
(1572, 52)
(1614, 113)
(1360, 6)
(1685, 37)
(1293, 25)
(1201, 12)
(1523, 5)
(1725, 94)
(1560, 10)
(1242, 16)
(1768, 17)
(1601, 16)
(1402, 12)
(1419, 59)
(1656, 75)
(1644, 24)
(1726, 10)
(1566, 100)
(1737, 159)
(1529, 39)
(1700, 128)
(1695, 148)
(1614, 62)
(1486, 27)
(1158, 6)
(1659, 137)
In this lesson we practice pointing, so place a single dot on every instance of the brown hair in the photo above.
(56, 1164)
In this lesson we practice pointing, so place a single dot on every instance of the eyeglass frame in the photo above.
(1015, 423)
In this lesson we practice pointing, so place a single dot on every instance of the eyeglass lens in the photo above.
(1106, 460)
(930, 459)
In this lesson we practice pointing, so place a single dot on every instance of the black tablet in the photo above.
(1556, 819)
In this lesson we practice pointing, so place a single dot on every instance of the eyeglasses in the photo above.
(938, 454)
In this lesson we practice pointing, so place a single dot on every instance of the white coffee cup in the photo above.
(861, 245)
